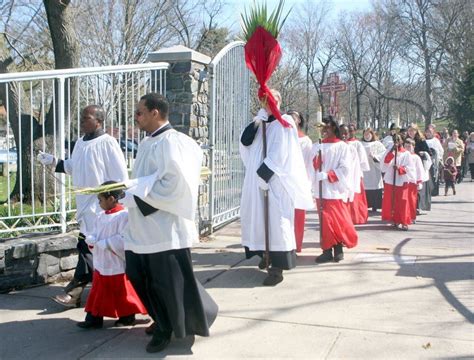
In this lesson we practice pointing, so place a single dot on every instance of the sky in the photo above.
(236, 7)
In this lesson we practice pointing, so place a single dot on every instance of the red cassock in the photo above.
(358, 207)
(300, 218)
(113, 296)
(412, 198)
(337, 226)
(358, 201)
(400, 193)
(401, 211)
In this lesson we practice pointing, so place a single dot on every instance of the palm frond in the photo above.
(257, 16)
(205, 172)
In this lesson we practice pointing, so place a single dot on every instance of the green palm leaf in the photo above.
(258, 16)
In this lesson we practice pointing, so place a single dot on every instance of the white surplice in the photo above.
(359, 164)
(404, 159)
(92, 163)
(108, 248)
(335, 156)
(387, 141)
(435, 144)
(289, 187)
(419, 175)
(373, 177)
(168, 169)
(306, 146)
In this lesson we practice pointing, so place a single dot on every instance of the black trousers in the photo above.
(84, 267)
(166, 285)
(285, 260)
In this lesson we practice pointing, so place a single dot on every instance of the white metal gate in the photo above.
(116, 88)
(229, 113)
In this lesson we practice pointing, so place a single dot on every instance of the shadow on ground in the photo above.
(442, 273)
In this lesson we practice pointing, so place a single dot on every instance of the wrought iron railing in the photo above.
(42, 109)
(229, 114)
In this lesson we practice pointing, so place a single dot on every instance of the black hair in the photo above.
(155, 101)
(328, 120)
(341, 127)
(117, 194)
(302, 123)
(99, 112)
(398, 139)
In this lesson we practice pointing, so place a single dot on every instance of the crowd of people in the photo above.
(346, 177)
(134, 244)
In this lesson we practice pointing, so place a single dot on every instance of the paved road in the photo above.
(398, 295)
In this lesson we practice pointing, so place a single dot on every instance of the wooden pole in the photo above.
(265, 202)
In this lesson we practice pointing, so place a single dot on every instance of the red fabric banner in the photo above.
(262, 55)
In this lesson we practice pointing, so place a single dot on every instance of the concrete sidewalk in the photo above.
(398, 295)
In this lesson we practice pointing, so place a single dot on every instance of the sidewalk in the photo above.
(398, 295)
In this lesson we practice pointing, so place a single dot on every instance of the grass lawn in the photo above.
(4, 186)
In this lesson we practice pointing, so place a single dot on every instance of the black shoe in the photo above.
(159, 342)
(338, 253)
(97, 323)
(275, 276)
(325, 257)
(125, 321)
(150, 329)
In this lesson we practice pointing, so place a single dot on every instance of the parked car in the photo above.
(8, 157)
(130, 146)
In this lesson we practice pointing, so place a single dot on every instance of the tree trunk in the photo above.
(63, 36)
(66, 54)
(357, 98)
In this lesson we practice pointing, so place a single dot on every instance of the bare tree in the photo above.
(425, 30)
(26, 126)
(308, 38)
(116, 32)
(197, 26)
(354, 45)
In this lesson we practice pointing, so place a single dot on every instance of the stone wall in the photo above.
(37, 260)
(187, 90)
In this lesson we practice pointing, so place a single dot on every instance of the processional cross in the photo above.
(333, 86)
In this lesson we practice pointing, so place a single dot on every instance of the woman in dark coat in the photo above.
(424, 152)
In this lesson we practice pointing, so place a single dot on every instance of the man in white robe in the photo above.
(96, 158)
(162, 201)
(283, 174)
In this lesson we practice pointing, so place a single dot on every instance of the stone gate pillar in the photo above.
(188, 93)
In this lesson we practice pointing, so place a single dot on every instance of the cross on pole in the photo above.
(333, 87)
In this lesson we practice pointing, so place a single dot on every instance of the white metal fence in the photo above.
(229, 114)
(43, 110)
